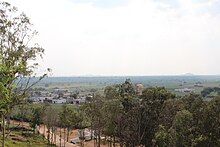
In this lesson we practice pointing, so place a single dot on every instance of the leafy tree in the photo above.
(111, 109)
(112, 92)
(152, 101)
(64, 120)
(211, 125)
(197, 107)
(163, 137)
(169, 110)
(17, 58)
(127, 89)
(37, 117)
(68, 119)
(50, 119)
(183, 128)
(94, 111)
(208, 90)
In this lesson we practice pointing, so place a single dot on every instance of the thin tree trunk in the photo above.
(105, 140)
(55, 136)
(22, 125)
(64, 137)
(48, 135)
(99, 139)
(114, 141)
(44, 130)
(52, 134)
(121, 144)
(110, 143)
(3, 131)
(91, 134)
(8, 122)
(34, 130)
(60, 137)
(68, 133)
(94, 142)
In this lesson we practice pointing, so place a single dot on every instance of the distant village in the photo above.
(64, 96)
(58, 96)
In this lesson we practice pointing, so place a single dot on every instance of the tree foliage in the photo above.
(18, 56)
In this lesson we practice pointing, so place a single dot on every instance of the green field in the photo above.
(85, 85)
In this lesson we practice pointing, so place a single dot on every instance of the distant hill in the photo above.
(188, 74)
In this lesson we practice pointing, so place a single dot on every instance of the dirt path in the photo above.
(73, 134)
(67, 144)
(41, 131)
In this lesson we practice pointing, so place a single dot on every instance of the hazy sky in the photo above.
(127, 37)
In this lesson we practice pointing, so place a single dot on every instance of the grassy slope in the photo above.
(19, 138)
(36, 141)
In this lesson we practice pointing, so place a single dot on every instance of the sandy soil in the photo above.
(43, 130)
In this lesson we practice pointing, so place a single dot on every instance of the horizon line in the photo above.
(186, 75)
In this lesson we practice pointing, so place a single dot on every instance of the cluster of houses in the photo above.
(64, 96)
(58, 96)
(184, 90)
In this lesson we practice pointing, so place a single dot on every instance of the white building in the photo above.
(184, 90)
